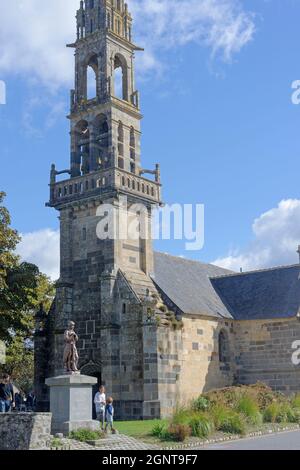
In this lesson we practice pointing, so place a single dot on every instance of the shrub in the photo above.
(182, 415)
(200, 404)
(159, 430)
(201, 426)
(271, 413)
(56, 443)
(84, 435)
(233, 423)
(286, 414)
(296, 401)
(179, 432)
(249, 408)
(219, 413)
(227, 420)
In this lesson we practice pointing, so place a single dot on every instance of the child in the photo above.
(100, 402)
(109, 412)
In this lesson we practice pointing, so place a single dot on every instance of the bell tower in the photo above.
(105, 115)
(105, 168)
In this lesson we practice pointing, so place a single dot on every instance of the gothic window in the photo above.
(124, 309)
(108, 21)
(223, 347)
(120, 132)
(132, 143)
(120, 140)
(101, 143)
(121, 163)
(120, 78)
(132, 167)
(82, 142)
(84, 234)
(92, 76)
(132, 138)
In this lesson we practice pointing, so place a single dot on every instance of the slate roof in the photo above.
(265, 294)
(187, 284)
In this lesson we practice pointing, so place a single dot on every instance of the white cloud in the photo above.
(33, 34)
(41, 248)
(276, 238)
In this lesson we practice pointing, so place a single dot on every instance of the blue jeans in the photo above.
(5, 406)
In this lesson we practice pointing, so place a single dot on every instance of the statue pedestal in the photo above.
(71, 402)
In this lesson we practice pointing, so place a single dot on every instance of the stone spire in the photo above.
(103, 15)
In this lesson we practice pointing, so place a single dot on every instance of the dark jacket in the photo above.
(7, 392)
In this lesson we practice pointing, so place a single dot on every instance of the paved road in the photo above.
(283, 441)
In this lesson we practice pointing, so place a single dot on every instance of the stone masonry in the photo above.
(25, 431)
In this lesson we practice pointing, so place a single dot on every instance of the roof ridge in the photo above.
(189, 260)
(262, 270)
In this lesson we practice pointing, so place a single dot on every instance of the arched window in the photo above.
(120, 140)
(101, 143)
(120, 78)
(82, 141)
(223, 347)
(120, 133)
(132, 138)
(132, 144)
(92, 76)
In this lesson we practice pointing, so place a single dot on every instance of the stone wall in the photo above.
(25, 431)
(188, 361)
(263, 352)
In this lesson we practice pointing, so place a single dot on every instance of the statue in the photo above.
(70, 353)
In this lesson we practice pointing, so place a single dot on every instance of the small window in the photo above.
(84, 234)
(124, 309)
(223, 347)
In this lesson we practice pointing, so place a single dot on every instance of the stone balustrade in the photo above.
(102, 181)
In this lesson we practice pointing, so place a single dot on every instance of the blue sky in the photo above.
(223, 128)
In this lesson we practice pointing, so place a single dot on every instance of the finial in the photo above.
(298, 251)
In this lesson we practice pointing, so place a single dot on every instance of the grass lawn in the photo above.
(137, 429)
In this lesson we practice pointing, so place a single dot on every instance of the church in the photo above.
(155, 329)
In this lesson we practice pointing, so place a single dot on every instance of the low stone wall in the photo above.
(25, 431)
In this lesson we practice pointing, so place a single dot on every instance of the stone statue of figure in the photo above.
(70, 353)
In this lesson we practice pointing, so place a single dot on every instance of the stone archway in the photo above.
(93, 369)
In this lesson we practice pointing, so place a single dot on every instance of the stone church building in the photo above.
(155, 329)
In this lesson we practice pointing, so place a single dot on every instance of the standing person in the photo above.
(109, 413)
(7, 395)
(100, 402)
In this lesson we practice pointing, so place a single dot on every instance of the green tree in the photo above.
(18, 282)
(22, 289)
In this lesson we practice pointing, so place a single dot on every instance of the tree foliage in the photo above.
(22, 289)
